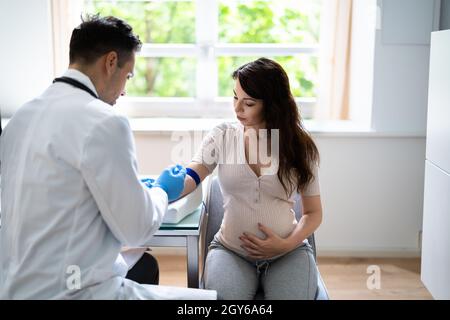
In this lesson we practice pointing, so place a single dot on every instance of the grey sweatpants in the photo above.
(292, 276)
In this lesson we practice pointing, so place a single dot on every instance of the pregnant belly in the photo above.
(234, 225)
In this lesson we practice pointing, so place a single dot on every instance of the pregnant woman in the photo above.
(263, 160)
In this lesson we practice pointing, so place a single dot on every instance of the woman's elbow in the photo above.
(319, 218)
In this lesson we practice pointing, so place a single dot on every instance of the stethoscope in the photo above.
(76, 84)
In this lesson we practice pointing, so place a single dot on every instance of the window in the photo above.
(191, 48)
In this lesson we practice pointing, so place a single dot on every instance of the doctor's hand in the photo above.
(171, 180)
(269, 247)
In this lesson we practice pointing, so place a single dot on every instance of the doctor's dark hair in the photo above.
(265, 79)
(96, 36)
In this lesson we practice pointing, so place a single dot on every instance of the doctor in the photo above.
(71, 197)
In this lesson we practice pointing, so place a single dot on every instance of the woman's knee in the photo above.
(231, 290)
(231, 276)
(293, 277)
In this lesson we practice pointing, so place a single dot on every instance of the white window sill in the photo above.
(316, 128)
(166, 126)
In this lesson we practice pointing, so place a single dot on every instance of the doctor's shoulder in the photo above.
(98, 111)
(100, 107)
(104, 118)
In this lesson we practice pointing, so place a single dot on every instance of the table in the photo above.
(186, 233)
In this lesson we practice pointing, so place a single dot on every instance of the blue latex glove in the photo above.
(171, 180)
(148, 182)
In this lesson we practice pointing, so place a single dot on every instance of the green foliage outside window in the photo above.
(170, 22)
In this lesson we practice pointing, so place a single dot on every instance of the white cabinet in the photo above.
(438, 117)
(436, 232)
(435, 271)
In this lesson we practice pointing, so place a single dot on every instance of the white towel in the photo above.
(178, 210)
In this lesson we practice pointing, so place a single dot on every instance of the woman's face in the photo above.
(249, 111)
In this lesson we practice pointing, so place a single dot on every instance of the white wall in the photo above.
(26, 51)
(445, 15)
(402, 48)
(372, 189)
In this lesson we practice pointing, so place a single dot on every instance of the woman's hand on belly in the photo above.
(257, 248)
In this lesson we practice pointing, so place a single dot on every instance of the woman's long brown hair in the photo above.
(265, 79)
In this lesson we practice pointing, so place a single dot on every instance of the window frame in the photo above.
(206, 50)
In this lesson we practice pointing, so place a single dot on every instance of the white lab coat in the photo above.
(71, 198)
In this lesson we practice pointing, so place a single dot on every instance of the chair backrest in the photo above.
(214, 210)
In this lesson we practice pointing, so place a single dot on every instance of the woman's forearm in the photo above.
(309, 222)
(189, 186)
(189, 182)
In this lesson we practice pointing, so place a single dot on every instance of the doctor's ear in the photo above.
(111, 62)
